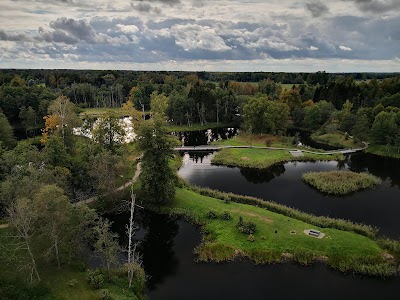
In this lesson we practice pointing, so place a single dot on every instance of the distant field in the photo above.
(100, 112)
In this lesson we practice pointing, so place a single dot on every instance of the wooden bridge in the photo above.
(294, 151)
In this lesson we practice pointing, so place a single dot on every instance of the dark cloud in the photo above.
(14, 37)
(77, 29)
(376, 6)
(145, 7)
(316, 8)
(169, 2)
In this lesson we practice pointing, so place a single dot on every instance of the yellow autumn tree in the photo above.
(52, 124)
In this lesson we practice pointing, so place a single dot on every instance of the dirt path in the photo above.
(3, 226)
(122, 187)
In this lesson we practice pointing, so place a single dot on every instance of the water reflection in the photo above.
(205, 137)
(376, 206)
(262, 175)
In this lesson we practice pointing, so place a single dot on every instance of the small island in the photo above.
(340, 182)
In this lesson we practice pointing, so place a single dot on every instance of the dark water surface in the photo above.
(379, 206)
(205, 137)
(168, 244)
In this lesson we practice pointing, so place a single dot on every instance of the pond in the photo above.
(205, 137)
(282, 183)
(167, 245)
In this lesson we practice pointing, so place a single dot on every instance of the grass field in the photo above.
(385, 151)
(340, 182)
(101, 112)
(277, 237)
(336, 139)
(246, 139)
(263, 158)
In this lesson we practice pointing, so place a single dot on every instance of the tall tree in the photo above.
(106, 244)
(22, 217)
(158, 179)
(6, 132)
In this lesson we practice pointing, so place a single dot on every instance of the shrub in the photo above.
(226, 216)
(72, 282)
(95, 278)
(246, 227)
(227, 199)
(251, 238)
(105, 295)
(211, 215)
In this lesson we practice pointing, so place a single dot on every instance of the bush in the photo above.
(72, 282)
(226, 216)
(246, 227)
(211, 215)
(95, 278)
(105, 295)
(227, 199)
(251, 238)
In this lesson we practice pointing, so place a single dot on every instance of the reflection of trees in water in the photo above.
(204, 137)
(382, 167)
(198, 156)
(158, 257)
(262, 175)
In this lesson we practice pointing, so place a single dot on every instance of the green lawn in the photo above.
(336, 139)
(385, 151)
(246, 139)
(273, 236)
(264, 158)
(100, 112)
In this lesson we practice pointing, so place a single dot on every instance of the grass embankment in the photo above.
(336, 139)
(101, 112)
(340, 182)
(264, 158)
(274, 239)
(194, 127)
(384, 151)
(67, 283)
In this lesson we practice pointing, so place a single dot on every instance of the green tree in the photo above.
(28, 119)
(384, 127)
(6, 132)
(109, 132)
(54, 212)
(158, 179)
(361, 128)
(55, 152)
(158, 104)
(106, 242)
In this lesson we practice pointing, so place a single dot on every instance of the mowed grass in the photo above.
(385, 151)
(101, 112)
(264, 158)
(336, 139)
(277, 141)
(340, 182)
(223, 241)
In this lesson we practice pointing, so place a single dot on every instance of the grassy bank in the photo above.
(384, 151)
(101, 112)
(336, 139)
(263, 158)
(195, 127)
(67, 283)
(340, 182)
(277, 237)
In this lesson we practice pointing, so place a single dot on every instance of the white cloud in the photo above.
(344, 48)
(128, 28)
(312, 48)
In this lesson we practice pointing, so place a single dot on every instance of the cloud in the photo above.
(376, 6)
(312, 48)
(128, 28)
(344, 48)
(316, 8)
(14, 37)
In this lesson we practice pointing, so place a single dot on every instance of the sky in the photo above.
(202, 35)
